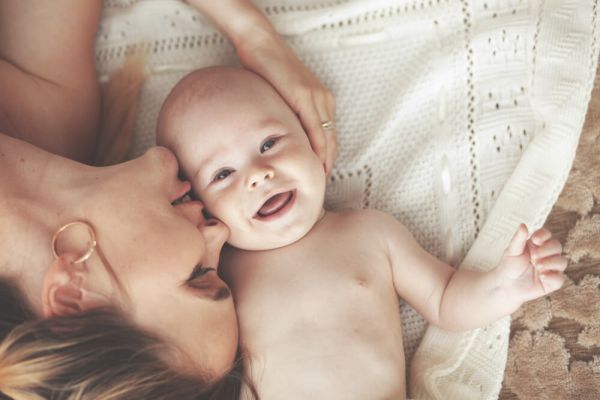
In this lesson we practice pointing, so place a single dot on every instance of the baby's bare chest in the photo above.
(324, 306)
(335, 284)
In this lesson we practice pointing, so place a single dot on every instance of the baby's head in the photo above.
(246, 155)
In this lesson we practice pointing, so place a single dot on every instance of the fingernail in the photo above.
(543, 278)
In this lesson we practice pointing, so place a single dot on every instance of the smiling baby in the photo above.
(317, 291)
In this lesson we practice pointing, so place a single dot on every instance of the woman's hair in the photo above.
(94, 355)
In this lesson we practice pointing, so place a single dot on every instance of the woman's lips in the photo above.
(276, 206)
(181, 189)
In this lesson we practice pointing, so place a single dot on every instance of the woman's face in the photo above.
(164, 260)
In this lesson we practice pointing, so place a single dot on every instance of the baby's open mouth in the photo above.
(275, 204)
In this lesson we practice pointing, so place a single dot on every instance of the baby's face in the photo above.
(252, 165)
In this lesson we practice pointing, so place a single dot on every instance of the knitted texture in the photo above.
(458, 117)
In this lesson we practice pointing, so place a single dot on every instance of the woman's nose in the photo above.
(259, 176)
(164, 158)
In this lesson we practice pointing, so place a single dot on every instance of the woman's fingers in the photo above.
(311, 120)
(331, 134)
(319, 124)
(270, 57)
(325, 104)
(332, 150)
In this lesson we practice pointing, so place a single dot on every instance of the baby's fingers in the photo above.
(540, 236)
(551, 281)
(548, 248)
(555, 263)
(518, 242)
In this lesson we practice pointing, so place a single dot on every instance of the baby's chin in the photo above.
(256, 240)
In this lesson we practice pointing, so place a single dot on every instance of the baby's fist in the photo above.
(534, 264)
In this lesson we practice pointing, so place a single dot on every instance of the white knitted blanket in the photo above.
(459, 117)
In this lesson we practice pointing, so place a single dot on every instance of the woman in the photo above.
(75, 238)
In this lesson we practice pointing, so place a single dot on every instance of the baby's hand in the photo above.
(531, 267)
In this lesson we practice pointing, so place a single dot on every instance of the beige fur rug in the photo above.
(554, 350)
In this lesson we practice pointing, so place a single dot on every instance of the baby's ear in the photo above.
(64, 290)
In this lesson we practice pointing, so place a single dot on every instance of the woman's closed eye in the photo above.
(208, 285)
(198, 273)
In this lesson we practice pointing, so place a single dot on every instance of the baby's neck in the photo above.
(317, 225)
(322, 215)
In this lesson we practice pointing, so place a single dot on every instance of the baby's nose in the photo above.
(258, 177)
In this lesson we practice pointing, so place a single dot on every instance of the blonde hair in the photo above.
(120, 98)
(95, 355)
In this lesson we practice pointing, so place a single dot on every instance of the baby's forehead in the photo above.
(199, 91)
(207, 136)
(223, 114)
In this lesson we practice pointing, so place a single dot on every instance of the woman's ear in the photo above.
(66, 289)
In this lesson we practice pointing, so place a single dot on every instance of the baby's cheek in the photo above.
(210, 211)
(217, 208)
(244, 240)
(206, 201)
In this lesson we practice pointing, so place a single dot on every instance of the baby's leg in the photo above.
(50, 95)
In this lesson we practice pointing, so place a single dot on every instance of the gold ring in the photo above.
(327, 124)
(88, 252)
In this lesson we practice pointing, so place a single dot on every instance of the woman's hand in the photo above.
(269, 56)
(261, 49)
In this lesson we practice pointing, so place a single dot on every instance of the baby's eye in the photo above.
(267, 144)
(222, 174)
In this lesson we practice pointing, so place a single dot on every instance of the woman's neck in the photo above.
(34, 174)
(38, 191)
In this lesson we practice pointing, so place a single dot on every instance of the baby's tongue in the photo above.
(273, 205)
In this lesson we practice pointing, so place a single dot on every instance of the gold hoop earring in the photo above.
(88, 252)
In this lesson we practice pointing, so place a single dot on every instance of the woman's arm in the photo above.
(50, 95)
(261, 49)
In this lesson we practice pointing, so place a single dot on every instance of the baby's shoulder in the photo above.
(367, 215)
(368, 220)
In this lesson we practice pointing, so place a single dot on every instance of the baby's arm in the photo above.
(467, 299)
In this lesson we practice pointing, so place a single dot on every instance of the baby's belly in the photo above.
(337, 370)
(344, 345)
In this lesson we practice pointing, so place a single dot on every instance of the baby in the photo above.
(316, 291)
